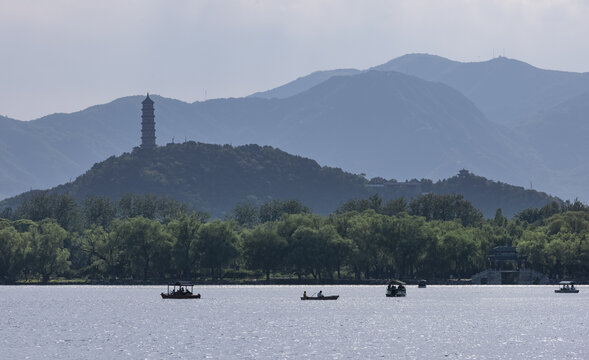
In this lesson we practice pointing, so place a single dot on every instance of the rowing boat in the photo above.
(331, 297)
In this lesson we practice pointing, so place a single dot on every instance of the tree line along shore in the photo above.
(152, 240)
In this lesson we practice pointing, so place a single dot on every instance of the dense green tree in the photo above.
(153, 207)
(411, 236)
(37, 205)
(12, 253)
(445, 208)
(356, 205)
(184, 232)
(532, 245)
(575, 205)
(5, 223)
(264, 249)
(567, 248)
(569, 222)
(216, 246)
(458, 252)
(338, 249)
(394, 207)
(98, 210)
(47, 255)
(146, 246)
(537, 216)
(7, 213)
(368, 231)
(291, 222)
(66, 212)
(105, 251)
(499, 220)
(275, 209)
(304, 252)
(530, 216)
(246, 214)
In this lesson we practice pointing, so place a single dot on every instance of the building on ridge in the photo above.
(147, 124)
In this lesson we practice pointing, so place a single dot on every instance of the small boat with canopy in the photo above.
(180, 290)
(396, 288)
(567, 287)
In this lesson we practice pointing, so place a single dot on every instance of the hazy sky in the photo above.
(66, 55)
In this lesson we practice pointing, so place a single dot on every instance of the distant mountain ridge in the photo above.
(505, 90)
(303, 83)
(215, 178)
(382, 123)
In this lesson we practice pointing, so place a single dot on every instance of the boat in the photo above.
(180, 290)
(396, 291)
(319, 296)
(330, 297)
(393, 291)
(567, 287)
(422, 284)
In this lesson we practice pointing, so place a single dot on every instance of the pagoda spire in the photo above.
(147, 124)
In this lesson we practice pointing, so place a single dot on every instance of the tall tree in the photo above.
(146, 246)
(216, 246)
(99, 211)
(47, 255)
(12, 253)
(184, 232)
(105, 251)
(246, 214)
(264, 249)
(275, 209)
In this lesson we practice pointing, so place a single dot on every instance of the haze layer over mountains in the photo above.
(417, 116)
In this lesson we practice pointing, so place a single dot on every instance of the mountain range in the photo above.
(507, 91)
(417, 116)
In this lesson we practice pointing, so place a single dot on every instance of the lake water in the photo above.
(270, 322)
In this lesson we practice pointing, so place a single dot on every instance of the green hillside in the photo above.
(215, 178)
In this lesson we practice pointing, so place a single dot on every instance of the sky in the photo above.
(66, 55)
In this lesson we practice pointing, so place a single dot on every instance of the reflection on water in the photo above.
(270, 322)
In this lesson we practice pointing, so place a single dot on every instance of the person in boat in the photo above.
(320, 293)
(304, 294)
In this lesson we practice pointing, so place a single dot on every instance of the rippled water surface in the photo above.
(270, 322)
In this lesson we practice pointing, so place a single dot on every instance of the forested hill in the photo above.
(215, 178)
(488, 195)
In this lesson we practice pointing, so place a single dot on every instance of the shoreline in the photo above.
(271, 282)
